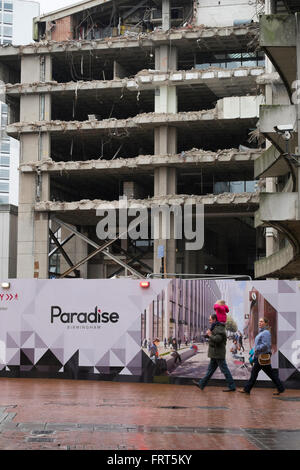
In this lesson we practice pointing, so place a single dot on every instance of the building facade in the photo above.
(16, 25)
(158, 103)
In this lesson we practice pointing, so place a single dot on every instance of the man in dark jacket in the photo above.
(217, 353)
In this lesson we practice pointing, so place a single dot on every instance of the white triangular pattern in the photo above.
(10, 353)
(59, 343)
(114, 361)
(30, 342)
(284, 325)
(131, 348)
(121, 343)
(288, 342)
(125, 371)
(86, 358)
(38, 353)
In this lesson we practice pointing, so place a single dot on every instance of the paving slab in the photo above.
(42, 414)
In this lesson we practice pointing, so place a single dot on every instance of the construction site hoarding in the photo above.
(104, 329)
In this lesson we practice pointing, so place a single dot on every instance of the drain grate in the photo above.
(40, 439)
(41, 432)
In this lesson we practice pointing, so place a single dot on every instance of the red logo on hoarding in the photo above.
(8, 297)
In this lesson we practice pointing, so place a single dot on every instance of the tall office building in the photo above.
(16, 17)
(16, 24)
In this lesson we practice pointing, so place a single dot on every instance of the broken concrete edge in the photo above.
(142, 79)
(169, 200)
(191, 156)
(140, 39)
(268, 79)
(132, 122)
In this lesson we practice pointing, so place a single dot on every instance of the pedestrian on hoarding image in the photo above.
(160, 363)
(217, 340)
(262, 359)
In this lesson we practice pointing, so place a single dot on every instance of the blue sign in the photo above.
(161, 251)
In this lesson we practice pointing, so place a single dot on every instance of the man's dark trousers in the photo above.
(212, 367)
(267, 370)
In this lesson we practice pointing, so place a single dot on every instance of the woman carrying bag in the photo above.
(262, 359)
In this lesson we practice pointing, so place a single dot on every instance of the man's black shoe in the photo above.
(244, 391)
(197, 384)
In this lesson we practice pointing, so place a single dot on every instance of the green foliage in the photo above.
(231, 324)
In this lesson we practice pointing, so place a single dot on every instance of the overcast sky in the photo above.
(51, 5)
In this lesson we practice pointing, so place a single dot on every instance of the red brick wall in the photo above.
(62, 30)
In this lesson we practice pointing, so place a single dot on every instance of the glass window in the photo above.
(251, 186)
(8, 6)
(3, 120)
(4, 173)
(4, 160)
(7, 31)
(5, 147)
(3, 199)
(4, 187)
(237, 187)
(7, 18)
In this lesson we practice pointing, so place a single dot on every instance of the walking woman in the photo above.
(262, 359)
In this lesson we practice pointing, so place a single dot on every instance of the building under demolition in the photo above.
(156, 102)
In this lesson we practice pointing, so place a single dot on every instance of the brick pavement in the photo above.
(92, 415)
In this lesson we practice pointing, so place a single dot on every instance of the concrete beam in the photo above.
(190, 159)
(229, 35)
(233, 108)
(244, 77)
(228, 199)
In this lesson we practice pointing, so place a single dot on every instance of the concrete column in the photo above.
(166, 15)
(33, 228)
(165, 178)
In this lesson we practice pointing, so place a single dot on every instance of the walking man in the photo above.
(217, 353)
(262, 345)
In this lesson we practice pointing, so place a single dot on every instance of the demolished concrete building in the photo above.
(141, 101)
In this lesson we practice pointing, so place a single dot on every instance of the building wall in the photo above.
(62, 30)
(23, 15)
(8, 241)
(225, 12)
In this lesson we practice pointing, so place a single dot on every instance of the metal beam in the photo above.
(61, 244)
(60, 248)
(132, 260)
(98, 247)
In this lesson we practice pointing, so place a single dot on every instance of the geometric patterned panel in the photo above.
(285, 298)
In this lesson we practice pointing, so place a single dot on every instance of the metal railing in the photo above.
(237, 277)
